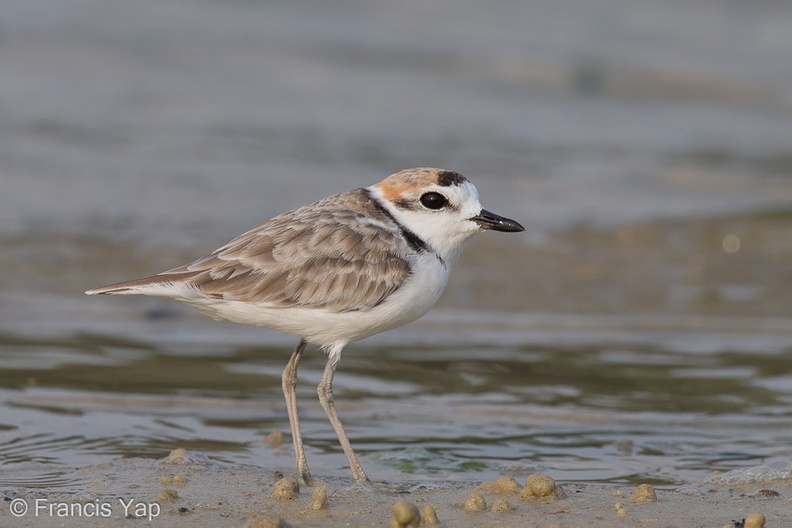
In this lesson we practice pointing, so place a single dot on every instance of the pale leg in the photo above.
(289, 383)
(325, 391)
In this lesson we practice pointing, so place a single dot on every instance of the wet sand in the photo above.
(188, 489)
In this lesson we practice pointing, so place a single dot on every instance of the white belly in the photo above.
(413, 299)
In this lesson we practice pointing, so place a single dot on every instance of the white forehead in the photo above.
(464, 197)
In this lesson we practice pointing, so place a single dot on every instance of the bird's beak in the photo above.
(487, 220)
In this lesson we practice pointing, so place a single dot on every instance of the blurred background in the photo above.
(640, 330)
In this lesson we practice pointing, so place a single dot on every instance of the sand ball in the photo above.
(644, 493)
(405, 514)
(286, 488)
(166, 495)
(539, 487)
(755, 520)
(429, 515)
(266, 522)
(319, 498)
(504, 484)
(501, 506)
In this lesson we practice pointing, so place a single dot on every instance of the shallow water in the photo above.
(595, 404)
(640, 331)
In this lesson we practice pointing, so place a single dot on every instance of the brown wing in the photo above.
(340, 253)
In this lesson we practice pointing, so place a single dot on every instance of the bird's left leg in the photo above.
(325, 391)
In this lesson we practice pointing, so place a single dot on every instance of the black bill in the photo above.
(487, 220)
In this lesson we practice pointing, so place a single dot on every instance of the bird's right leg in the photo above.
(289, 383)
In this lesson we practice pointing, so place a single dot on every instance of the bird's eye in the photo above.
(433, 200)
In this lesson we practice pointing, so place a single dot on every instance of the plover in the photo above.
(335, 271)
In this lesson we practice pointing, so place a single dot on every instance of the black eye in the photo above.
(433, 200)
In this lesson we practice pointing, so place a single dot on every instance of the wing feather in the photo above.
(341, 254)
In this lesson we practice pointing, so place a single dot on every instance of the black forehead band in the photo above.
(449, 178)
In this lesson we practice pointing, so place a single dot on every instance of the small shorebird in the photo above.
(338, 270)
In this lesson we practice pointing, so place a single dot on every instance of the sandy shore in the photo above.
(186, 489)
